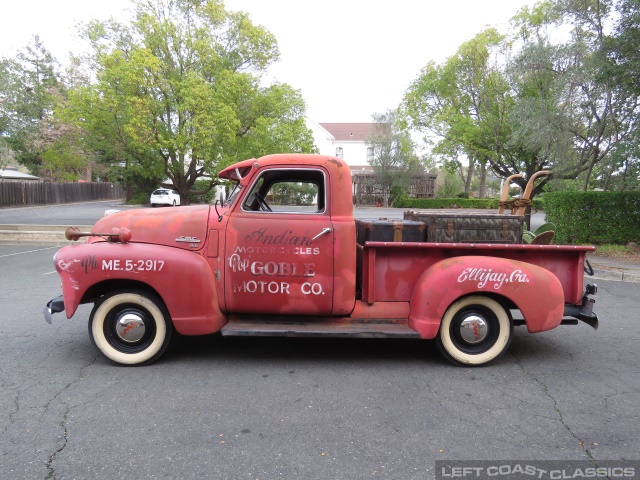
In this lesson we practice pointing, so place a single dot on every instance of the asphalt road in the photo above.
(68, 214)
(264, 408)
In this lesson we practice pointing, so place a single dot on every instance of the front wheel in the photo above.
(475, 330)
(130, 328)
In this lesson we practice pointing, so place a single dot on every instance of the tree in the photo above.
(179, 93)
(462, 103)
(536, 133)
(62, 154)
(28, 85)
(6, 154)
(451, 185)
(568, 110)
(393, 159)
(622, 50)
(620, 171)
(529, 101)
(294, 193)
(605, 112)
(623, 47)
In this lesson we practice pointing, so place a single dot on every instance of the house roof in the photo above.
(355, 132)
(11, 173)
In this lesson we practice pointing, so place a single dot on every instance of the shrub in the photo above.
(594, 217)
(139, 198)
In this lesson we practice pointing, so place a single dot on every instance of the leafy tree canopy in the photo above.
(556, 93)
(29, 85)
(393, 160)
(179, 93)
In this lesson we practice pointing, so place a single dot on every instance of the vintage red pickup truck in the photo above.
(279, 257)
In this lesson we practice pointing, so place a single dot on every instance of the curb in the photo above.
(35, 234)
(615, 275)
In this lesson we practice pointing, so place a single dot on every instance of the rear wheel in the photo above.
(130, 328)
(174, 203)
(475, 330)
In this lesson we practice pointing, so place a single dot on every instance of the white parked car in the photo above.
(164, 196)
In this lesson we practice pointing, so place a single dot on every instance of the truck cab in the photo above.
(289, 237)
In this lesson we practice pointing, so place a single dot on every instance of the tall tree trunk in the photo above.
(88, 172)
(483, 180)
(467, 181)
(595, 157)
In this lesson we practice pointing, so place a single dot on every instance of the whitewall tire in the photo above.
(474, 331)
(130, 328)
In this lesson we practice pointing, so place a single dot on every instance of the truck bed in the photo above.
(388, 271)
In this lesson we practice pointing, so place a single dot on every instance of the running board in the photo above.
(283, 327)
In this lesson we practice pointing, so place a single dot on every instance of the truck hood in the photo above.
(182, 227)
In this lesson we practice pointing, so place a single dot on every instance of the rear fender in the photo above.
(181, 278)
(534, 290)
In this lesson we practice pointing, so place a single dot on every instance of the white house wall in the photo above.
(353, 152)
(322, 139)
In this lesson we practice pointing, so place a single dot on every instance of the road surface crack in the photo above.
(558, 411)
(51, 472)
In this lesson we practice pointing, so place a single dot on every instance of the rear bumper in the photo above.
(583, 313)
(54, 306)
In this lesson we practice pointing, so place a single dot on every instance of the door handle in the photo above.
(324, 230)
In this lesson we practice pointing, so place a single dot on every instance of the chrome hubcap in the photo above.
(474, 329)
(130, 327)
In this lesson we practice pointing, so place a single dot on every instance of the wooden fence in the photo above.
(368, 191)
(16, 194)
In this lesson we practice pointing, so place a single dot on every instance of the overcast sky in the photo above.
(349, 58)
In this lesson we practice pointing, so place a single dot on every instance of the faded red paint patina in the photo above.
(447, 280)
(182, 279)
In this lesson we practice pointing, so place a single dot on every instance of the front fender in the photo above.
(181, 278)
(534, 290)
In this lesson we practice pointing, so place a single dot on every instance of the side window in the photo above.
(287, 191)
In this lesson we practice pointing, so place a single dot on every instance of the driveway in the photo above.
(265, 408)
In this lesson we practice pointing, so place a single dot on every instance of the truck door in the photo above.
(279, 248)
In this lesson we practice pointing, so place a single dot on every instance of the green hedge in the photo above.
(429, 203)
(140, 198)
(594, 217)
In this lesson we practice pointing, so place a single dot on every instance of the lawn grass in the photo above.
(618, 251)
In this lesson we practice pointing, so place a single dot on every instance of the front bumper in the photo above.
(54, 306)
